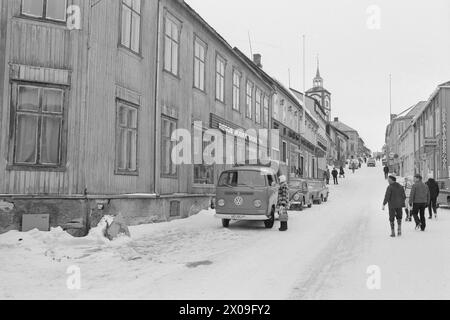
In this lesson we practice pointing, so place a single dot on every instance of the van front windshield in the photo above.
(242, 179)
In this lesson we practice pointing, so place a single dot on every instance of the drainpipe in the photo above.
(155, 151)
(90, 7)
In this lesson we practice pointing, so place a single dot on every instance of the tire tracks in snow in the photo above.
(343, 249)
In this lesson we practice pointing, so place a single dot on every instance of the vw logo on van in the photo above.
(238, 201)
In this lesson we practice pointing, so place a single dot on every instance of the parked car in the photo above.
(354, 164)
(319, 191)
(371, 163)
(299, 194)
(444, 194)
(247, 193)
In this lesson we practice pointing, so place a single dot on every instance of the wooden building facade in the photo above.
(431, 135)
(77, 106)
(90, 95)
(204, 84)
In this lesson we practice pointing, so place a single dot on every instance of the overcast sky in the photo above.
(412, 43)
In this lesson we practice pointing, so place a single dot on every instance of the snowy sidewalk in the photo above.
(325, 254)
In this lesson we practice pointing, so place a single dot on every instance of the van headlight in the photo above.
(257, 203)
(296, 197)
(221, 203)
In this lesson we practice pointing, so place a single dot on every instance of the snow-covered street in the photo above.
(325, 255)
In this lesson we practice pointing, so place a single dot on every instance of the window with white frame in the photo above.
(126, 144)
(131, 25)
(220, 78)
(236, 90)
(266, 111)
(199, 64)
(249, 100)
(275, 144)
(431, 124)
(276, 110)
(168, 167)
(171, 44)
(258, 105)
(203, 173)
(284, 152)
(438, 120)
(284, 114)
(38, 125)
(295, 119)
(421, 133)
(54, 10)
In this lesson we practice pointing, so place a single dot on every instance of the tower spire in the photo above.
(318, 81)
(318, 67)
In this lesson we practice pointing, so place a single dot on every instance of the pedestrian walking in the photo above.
(407, 192)
(341, 172)
(327, 176)
(335, 176)
(386, 172)
(433, 186)
(419, 200)
(395, 197)
(283, 200)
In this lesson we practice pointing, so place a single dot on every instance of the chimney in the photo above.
(257, 58)
(336, 119)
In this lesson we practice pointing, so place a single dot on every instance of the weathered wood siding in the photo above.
(114, 69)
(3, 86)
(47, 45)
(97, 73)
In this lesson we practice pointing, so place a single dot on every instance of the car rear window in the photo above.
(296, 184)
(242, 179)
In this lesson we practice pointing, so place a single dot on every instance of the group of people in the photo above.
(335, 174)
(421, 196)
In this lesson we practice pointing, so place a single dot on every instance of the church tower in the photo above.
(319, 93)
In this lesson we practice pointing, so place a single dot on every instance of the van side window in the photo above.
(271, 180)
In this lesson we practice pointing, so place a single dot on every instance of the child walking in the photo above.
(283, 199)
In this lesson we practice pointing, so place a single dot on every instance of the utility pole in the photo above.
(302, 125)
(250, 43)
(390, 97)
(289, 75)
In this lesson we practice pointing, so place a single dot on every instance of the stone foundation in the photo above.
(85, 213)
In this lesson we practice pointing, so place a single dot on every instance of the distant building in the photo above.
(322, 150)
(398, 143)
(431, 134)
(353, 135)
(339, 145)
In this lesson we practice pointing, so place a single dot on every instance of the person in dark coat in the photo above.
(283, 200)
(419, 200)
(386, 172)
(335, 173)
(341, 172)
(395, 197)
(326, 176)
(434, 194)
